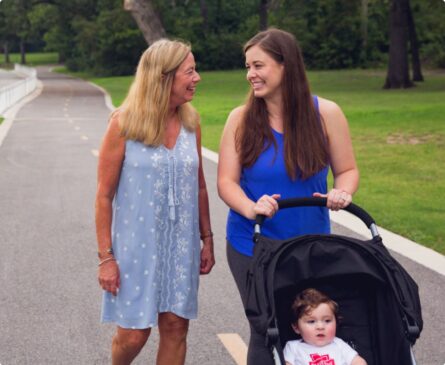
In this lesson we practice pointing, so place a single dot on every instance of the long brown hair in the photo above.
(305, 143)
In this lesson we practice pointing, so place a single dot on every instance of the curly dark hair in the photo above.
(309, 299)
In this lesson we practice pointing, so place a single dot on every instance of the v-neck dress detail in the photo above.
(155, 234)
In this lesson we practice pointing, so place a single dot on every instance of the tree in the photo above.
(22, 25)
(204, 14)
(398, 69)
(146, 18)
(14, 25)
(6, 31)
(364, 27)
(414, 47)
(263, 8)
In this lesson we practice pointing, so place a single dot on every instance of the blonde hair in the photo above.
(143, 113)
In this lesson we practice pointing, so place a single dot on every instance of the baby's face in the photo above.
(317, 327)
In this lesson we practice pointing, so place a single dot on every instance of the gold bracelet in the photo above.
(208, 234)
(106, 260)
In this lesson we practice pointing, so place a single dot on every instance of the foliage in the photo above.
(7, 34)
(100, 36)
(217, 38)
(105, 41)
(119, 43)
(429, 17)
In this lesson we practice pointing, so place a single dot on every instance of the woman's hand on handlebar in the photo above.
(336, 199)
(267, 205)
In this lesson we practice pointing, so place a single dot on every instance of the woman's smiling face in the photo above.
(263, 73)
(184, 83)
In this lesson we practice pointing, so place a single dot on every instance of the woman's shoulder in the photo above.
(327, 106)
(114, 125)
(235, 117)
(238, 112)
(116, 116)
(331, 113)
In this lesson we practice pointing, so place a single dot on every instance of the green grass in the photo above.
(398, 137)
(32, 59)
(1, 120)
(399, 141)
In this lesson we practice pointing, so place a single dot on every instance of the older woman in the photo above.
(152, 208)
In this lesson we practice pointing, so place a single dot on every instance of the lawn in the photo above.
(32, 59)
(398, 137)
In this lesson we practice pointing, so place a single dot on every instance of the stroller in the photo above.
(379, 302)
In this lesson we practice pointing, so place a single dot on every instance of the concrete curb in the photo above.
(403, 246)
(108, 101)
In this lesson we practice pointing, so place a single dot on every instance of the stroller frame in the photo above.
(361, 276)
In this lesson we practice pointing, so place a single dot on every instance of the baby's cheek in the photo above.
(331, 332)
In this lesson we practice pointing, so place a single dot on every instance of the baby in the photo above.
(315, 320)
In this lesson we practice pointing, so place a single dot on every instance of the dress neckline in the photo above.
(176, 142)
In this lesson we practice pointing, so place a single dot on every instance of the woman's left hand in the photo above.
(336, 199)
(207, 256)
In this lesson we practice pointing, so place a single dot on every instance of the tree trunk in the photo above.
(263, 14)
(22, 52)
(204, 14)
(364, 29)
(398, 68)
(6, 52)
(146, 18)
(414, 47)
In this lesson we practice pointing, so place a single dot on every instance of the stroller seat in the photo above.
(354, 296)
(380, 313)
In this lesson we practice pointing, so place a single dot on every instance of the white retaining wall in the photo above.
(12, 93)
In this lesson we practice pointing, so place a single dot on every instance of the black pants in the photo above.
(258, 353)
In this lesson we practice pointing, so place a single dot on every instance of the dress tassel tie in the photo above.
(172, 199)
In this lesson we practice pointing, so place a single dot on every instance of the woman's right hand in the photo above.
(109, 277)
(266, 205)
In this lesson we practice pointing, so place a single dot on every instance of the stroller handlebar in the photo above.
(321, 202)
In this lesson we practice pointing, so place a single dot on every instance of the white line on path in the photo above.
(403, 246)
(236, 347)
(95, 153)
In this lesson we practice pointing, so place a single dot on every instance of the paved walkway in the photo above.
(50, 299)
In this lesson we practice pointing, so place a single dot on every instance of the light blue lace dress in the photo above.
(155, 234)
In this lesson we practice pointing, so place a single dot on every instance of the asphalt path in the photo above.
(49, 296)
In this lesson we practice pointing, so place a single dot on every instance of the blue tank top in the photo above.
(268, 175)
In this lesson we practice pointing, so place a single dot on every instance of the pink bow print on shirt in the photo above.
(321, 360)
